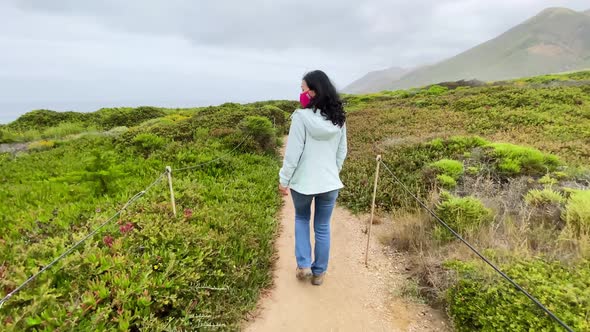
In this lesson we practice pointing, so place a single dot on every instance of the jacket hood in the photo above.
(318, 127)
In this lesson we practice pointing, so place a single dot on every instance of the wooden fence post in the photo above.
(169, 173)
(372, 210)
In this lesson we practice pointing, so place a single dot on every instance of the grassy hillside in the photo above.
(143, 271)
(506, 165)
(554, 41)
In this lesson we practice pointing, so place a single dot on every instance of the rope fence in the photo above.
(167, 173)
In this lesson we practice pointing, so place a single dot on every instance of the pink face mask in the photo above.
(304, 99)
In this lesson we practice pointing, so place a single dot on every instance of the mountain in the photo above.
(555, 40)
(376, 78)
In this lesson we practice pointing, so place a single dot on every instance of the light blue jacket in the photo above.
(316, 149)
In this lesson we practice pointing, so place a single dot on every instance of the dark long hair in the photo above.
(326, 97)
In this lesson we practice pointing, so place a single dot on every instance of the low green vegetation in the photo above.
(504, 164)
(446, 181)
(577, 212)
(544, 197)
(546, 79)
(147, 270)
(513, 160)
(451, 168)
(56, 125)
(463, 214)
(480, 300)
(447, 172)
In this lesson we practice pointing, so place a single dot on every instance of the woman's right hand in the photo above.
(284, 190)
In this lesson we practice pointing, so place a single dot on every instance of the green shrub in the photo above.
(62, 130)
(105, 118)
(436, 90)
(176, 117)
(577, 211)
(545, 79)
(519, 160)
(41, 145)
(29, 135)
(446, 182)
(548, 180)
(544, 197)
(116, 117)
(560, 175)
(230, 117)
(457, 144)
(117, 131)
(579, 75)
(41, 119)
(509, 166)
(103, 171)
(462, 143)
(451, 168)
(480, 301)
(288, 106)
(156, 122)
(7, 136)
(422, 103)
(261, 130)
(277, 116)
(147, 143)
(182, 130)
(462, 214)
(437, 143)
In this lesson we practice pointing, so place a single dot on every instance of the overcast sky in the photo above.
(81, 55)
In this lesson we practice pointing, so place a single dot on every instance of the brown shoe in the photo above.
(317, 279)
(303, 274)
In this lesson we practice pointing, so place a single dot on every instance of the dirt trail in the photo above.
(353, 297)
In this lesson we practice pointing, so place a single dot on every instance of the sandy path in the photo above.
(352, 298)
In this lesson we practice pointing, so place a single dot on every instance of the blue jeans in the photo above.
(324, 205)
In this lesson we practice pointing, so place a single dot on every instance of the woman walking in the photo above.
(316, 149)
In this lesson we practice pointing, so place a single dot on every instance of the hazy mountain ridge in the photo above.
(377, 77)
(555, 40)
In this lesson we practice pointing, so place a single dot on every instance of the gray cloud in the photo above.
(336, 25)
(182, 50)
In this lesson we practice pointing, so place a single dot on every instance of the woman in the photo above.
(316, 149)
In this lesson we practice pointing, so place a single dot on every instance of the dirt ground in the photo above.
(353, 297)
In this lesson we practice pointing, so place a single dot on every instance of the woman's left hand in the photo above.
(284, 190)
